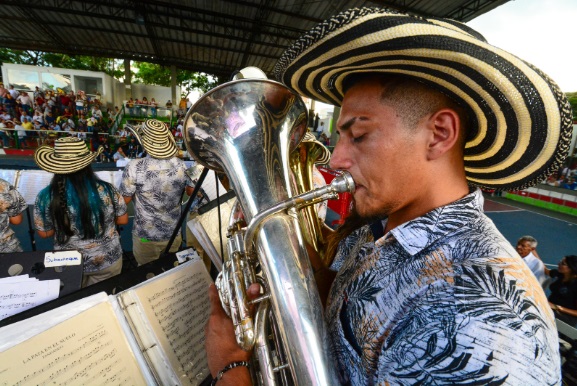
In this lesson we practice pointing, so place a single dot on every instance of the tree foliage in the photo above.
(188, 81)
(50, 59)
(148, 73)
(572, 96)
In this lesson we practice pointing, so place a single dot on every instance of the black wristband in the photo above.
(226, 368)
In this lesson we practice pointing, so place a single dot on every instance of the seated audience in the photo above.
(563, 298)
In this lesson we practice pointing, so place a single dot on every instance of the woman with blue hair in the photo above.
(79, 210)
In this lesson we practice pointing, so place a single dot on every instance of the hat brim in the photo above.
(47, 160)
(520, 121)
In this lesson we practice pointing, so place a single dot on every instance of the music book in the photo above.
(152, 333)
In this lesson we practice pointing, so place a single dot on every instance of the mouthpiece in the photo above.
(343, 183)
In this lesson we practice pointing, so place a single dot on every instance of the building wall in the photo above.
(26, 78)
(159, 93)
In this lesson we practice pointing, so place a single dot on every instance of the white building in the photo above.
(112, 92)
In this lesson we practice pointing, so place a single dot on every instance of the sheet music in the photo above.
(31, 182)
(117, 178)
(105, 175)
(205, 241)
(177, 308)
(14, 279)
(22, 295)
(8, 175)
(209, 186)
(88, 348)
(205, 229)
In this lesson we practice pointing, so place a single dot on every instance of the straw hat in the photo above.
(69, 155)
(156, 139)
(520, 121)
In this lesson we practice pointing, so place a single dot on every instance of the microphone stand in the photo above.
(185, 211)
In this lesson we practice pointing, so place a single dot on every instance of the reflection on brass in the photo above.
(247, 129)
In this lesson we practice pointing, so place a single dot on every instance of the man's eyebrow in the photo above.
(347, 125)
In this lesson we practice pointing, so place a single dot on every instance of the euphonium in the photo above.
(302, 161)
(247, 129)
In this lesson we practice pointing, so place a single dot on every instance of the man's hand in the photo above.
(220, 343)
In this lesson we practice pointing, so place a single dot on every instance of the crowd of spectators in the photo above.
(32, 120)
(37, 119)
(566, 177)
(144, 108)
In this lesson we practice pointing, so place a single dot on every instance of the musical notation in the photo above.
(17, 296)
(177, 310)
(89, 348)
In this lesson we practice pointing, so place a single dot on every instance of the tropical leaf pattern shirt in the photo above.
(11, 204)
(156, 186)
(442, 299)
(98, 253)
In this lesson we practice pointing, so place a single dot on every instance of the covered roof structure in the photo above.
(212, 36)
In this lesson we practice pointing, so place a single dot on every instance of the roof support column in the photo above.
(127, 79)
(173, 85)
(334, 138)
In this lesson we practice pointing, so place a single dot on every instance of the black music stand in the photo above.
(33, 264)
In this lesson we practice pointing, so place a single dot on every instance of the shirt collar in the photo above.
(417, 234)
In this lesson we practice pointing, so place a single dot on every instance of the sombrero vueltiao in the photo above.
(69, 155)
(520, 121)
(156, 139)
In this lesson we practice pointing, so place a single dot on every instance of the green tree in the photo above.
(188, 81)
(572, 96)
(50, 59)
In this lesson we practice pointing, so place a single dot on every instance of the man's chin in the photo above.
(366, 214)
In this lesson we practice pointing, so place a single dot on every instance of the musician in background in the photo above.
(156, 183)
(424, 287)
(80, 210)
(12, 205)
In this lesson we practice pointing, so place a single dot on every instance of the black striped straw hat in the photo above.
(69, 155)
(156, 139)
(520, 121)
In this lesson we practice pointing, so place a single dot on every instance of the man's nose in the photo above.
(340, 158)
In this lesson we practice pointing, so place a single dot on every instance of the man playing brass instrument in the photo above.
(430, 113)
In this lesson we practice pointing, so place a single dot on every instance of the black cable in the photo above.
(30, 228)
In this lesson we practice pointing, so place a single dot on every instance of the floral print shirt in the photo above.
(441, 299)
(156, 186)
(11, 204)
(98, 253)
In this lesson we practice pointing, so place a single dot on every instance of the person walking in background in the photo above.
(12, 205)
(527, 249)
(155, 183)
(79, 210)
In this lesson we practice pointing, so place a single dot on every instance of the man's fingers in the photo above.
(215, 305)
(253, 291)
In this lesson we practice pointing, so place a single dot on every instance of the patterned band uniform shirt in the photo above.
(157, 186)
(441, 299)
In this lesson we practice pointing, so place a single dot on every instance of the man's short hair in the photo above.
(532, 241)
(411, 99)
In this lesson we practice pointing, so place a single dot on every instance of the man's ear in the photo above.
(444, 132)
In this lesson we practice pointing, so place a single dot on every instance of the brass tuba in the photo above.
(247, 129)
(309, 153)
